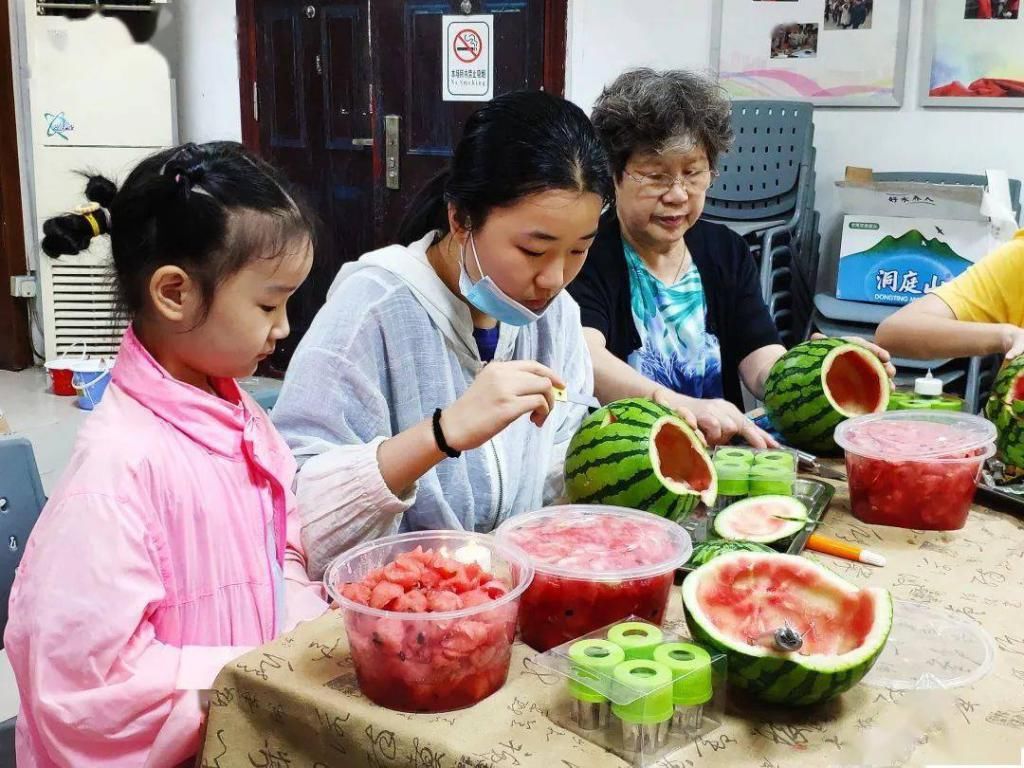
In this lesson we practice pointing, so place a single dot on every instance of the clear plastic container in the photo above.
(595, 565)
(637, 691)
(432, 662)
(915, 469)
(929, 648)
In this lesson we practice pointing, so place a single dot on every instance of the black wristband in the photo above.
(446, 449)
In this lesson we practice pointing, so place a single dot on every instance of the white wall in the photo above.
(610, 35)
(207, 72)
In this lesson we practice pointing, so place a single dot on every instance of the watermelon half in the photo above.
(1005, 409)
(636, 453)
(819, 384)
(738, 600)
(762, 519)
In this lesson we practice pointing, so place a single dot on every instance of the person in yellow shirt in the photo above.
(981, 312)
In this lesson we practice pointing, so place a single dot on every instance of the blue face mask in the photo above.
(489, 298)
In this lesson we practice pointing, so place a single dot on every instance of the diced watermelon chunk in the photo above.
(413, 601)
(384, 593)
(438, 601)
(357, 593)
(407, 575)
(474, 598)
(494, 588)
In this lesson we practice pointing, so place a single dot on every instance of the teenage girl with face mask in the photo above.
(421, 397)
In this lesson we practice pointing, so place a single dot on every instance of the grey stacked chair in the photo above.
(969, 377)
(21, 501)
(765, 192)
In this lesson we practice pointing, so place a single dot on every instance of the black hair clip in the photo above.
(187, 168)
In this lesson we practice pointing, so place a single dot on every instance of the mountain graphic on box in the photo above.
(914, 242)
(896, 270)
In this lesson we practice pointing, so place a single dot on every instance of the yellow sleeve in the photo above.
(991, 291)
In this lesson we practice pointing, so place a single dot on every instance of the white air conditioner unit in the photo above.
(99, 104)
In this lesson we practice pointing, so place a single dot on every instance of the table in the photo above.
(295, 704)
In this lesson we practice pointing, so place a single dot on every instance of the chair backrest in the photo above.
(21, 501)
(758, 176)
(969, 179)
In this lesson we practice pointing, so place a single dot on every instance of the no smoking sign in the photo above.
(468, 63)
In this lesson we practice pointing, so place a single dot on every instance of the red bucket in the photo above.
(61, 370)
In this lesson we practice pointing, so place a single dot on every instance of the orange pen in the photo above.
(828, 546)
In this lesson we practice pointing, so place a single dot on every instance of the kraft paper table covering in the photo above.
(295, 703)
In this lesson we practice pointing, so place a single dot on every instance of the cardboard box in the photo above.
(895, 259)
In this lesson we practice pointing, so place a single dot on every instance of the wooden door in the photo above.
(15, 340)
(323, 81)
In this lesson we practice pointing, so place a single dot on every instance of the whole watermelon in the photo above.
(736, 602)
(819, 384)
(638, 454)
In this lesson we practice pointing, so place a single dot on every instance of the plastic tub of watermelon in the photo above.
(595, 565)
(915, 469)
(430, 616)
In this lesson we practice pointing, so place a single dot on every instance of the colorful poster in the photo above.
(828, 52)
(972, 54)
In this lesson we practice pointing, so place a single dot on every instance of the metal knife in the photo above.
(809, 463)
(562, 396)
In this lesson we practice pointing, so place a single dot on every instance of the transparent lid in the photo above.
(930, 648)
(923, 435)
(597, 542)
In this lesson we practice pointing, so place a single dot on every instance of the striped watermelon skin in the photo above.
(1007, 413)
(795, 400)
(610, 463)
(1009, 432)
(1004, 385)
(707, 551)
(779, 679)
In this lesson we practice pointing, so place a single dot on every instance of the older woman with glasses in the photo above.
(671, 305)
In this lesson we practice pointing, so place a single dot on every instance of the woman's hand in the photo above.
(719, 421)
(882, 354)
(500, 394)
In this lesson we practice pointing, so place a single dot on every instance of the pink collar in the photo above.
(217, 423)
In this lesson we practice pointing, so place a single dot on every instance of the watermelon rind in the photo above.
(1009, 434)
(789, 679)
(797, 401)
(1007, 413)
(1005, 385)
(792, 512)
(707, 551)
(613, 460)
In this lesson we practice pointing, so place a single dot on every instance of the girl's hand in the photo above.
(501, 394)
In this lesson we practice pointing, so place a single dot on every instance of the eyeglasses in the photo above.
(658, 184)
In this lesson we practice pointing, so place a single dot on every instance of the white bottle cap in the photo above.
(928, 386)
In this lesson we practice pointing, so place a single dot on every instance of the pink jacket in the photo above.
(167, 550)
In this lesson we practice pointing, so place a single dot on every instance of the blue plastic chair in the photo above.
(765, 192)
(21, 501)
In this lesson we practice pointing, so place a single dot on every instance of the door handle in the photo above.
(392, 151)
(362, 142)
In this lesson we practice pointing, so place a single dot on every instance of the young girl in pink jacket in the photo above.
(171, 545)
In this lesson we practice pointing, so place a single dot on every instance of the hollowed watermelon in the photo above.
(1005, 409)
(638, 454)
(738, 600)
(762, 519)
(819, 384)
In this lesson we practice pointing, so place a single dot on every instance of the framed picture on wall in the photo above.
(837, 53)
(972, 54)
